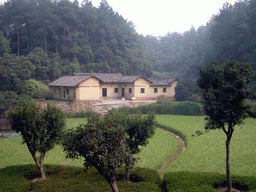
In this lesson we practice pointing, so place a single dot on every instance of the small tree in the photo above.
(40, 128)
(224, 89)
(139, 129)
(101, 142)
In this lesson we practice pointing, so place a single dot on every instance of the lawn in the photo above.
(206, 153)
(17, 167)
(201, 167)
(161, 146)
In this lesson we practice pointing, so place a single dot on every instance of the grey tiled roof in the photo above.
(165, 81)
(77, 78)
(69, 81)
(104, 77)
(130, 79)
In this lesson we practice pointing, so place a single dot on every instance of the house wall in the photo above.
(111, 90)
(91, 89)
(88, 90)
(170, 90)
(63, 93)
(138, 85)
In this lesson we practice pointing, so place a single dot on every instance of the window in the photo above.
(116, 90)
(142, 90)
(67, 91)
(164, 89)
(104, 92)
(130, 90)
(155, 90)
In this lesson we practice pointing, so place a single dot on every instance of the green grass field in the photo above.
(201, 167)
(206, 153)
(161, 146)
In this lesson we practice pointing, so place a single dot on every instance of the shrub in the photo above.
(162, 99)
(9, 99)
(180, 108)
(168, 108)
(35, 89)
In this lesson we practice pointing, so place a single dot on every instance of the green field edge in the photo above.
(174, 131)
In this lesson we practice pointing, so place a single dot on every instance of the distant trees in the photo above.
(185, 90)
(86, 38)
(224, 89)
(40, 128)
(228, 35)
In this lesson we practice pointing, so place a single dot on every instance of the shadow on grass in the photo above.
(205, 181)
(69, 178)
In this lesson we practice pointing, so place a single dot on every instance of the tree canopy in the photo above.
(101, 142)
(224, 90)
(85, 38)
(40, 128)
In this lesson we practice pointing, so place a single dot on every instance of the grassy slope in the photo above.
(161, 146)
(206, 153)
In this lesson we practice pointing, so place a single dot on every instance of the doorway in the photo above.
(123, 92)
(104, 92)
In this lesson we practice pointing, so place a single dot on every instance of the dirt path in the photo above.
(180, 147)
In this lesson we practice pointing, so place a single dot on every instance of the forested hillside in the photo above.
(45, 39)
(229, 35)
(50, 38)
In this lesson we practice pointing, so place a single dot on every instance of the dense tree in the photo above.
(139, 129)
(13, 70)
(224, 89)
(185, 89)
(4, 45)
(34, 89)
(40, 128)
(9, 99)
(101, 142)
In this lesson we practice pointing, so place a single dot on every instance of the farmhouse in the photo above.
(94, 86)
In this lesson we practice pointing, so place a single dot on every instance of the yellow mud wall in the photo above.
(138, 85)
(171, 90)
(88, 90)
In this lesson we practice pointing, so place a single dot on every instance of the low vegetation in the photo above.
(169, 108)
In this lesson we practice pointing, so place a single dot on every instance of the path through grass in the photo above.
(206, 153)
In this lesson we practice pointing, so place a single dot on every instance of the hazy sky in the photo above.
(162, 16)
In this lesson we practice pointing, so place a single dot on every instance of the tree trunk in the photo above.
(127, 174)
(229, 133)
(86, 41)
(112, 182)
(42, 172)
(57, 43)
(31, 37)
(228, 166)
(18, 34)
(45, 44)
(39, 165)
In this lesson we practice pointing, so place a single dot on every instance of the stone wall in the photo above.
(105, 107)
(75, 106)
(99, 106)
